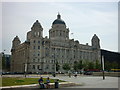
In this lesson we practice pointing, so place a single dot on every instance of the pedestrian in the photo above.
(48, 83)
(69, 73)
(75, 74)
(41, 83)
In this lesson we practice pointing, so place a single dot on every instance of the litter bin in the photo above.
(57, 83)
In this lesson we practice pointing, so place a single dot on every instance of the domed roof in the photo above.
(58, 20)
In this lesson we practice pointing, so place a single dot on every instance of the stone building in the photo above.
(39, 54)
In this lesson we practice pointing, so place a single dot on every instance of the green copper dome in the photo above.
(58, 20)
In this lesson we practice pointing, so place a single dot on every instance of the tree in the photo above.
(107, 65)
(3, 62)
(114, 65)
(80, 64)
(111, 65)
(91, 65)
(97, 65)
(85, 64)
(57, 66)
(66, 66)
(75, 66)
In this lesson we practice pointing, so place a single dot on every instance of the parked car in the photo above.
(87, 73)
(5, 73)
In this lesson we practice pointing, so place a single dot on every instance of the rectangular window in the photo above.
(33, 47)
(33, 60)
(34, 41)
(38, 67)
(39, 42)
(33, 66)
(74, 56)
(38, 60)
(38, 47)
(33, 54)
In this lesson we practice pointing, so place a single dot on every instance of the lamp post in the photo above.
(55, 65)
(42, 65)
(26, 66)
(25, 69)
(103, 67)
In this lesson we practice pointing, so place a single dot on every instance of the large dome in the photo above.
(58, 20)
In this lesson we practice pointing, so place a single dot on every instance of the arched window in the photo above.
(35, 34)
(38, 33)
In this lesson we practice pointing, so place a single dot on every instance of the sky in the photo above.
(84, 19)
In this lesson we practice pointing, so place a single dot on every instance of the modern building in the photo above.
(39, 54)
(5, 62)
(110, 56)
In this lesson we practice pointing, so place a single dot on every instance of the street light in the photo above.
(25, 69)
(54, 65)
(26, 66)
(42, 64)
(103, 67)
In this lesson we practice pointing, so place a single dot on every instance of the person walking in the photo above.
(69, 73)
(75, 74)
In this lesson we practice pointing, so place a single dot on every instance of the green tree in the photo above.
(85, 64)
(66, 66)
(114, 65)
(107, 65)
(3, 62)
(75, 66)
(57, 67)
(97, 65)
(80, 64)
(91, 65)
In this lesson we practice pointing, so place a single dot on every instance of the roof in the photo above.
(58, 20)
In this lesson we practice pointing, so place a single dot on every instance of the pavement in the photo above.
(93, 81)
(82, 81)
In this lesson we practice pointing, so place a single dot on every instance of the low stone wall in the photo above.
(52, 85)
(116, 74)
(64, 84)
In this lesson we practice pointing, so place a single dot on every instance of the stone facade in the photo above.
(39, 54)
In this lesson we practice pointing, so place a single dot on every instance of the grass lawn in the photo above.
(6, 81)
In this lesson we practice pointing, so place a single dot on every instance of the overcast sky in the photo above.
(84, 19)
